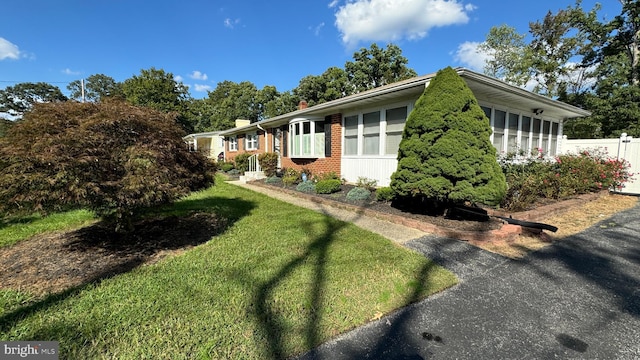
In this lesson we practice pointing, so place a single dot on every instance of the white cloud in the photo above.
(230, 23)
(197, 75)
(8, 50)
(178, 78)
(316, 30)
(333, 4)
(201, 88)
(68, 71)
(470, 56)
(391, 20)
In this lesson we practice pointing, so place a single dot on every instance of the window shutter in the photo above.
(284, 141)
(244, 142)
(327, 136)
(258, 140)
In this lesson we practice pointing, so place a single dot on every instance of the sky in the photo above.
(277, 43)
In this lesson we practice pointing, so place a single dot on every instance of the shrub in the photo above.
(326, 176)
(109, 157)
(384, 194)
(269, 163)
(358, 193)
(273, 180)
(328, 186)
(366, 183)
(290, 177)
(307, 186)
(226, 166)
(242, 162)
(445, 155)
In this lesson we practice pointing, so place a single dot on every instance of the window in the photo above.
(233, 143)
(396, 118)
(251, 141)
(535, 138)
(498, 129)
(307, 138)
(371, 133)
(351, 135)
(526, 135)
(512, 136)
(546, 126)
(554, 138)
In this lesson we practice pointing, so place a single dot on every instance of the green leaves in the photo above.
(445, 154)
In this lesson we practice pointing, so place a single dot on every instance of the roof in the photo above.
(479, 83)
(202, 134)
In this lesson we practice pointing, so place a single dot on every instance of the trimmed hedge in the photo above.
(328, 186)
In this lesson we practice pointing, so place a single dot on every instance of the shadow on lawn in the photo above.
(77, 259)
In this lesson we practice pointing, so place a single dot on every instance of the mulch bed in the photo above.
(55, 262)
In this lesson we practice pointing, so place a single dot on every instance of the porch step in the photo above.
(252, 175)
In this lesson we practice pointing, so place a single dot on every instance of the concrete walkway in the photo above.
(576, 299)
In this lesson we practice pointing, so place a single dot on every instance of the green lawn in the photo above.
(14, 230)
(280, 280)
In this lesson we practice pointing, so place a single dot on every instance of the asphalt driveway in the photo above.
(577, 299)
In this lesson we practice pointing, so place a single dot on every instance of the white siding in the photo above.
(373, 168)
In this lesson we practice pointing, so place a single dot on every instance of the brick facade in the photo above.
(316, 166)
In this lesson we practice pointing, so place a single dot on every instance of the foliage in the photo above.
(112, 158)
(269, 163)
(97, 87)
(358, 194)
(445, 156)
(328, 186)
(331, 85)
(384, 194)
(331, 175)
(248, 260)
(20, 98)
(306, 186)
(291, 176)
(570, 174)
(158, 90)
(375, 67)
(273, 180)
(242, 161)
(4, 126)
(366, 183)
(226, 166)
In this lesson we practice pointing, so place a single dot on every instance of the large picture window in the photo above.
(307, 138)
(499, 120)
(512, 136)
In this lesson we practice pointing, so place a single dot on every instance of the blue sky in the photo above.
(265, 42)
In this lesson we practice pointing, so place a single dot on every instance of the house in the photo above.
(358, 135)
(211, 144)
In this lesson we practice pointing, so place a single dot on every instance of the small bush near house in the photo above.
(329, 186)
(307, 186)
(366, 183)
(242, 162)
(326, 176)
(290, 177)
(358, 193)
(269, 163)
(384, 194)
(569, 175)
(273, 180)
(226, 166)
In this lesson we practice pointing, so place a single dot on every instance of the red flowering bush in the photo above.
(570, 174)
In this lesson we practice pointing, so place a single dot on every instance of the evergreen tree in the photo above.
(445, 156)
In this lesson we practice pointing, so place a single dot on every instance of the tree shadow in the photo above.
(77, 259)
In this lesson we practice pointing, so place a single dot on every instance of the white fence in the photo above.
(623, 148)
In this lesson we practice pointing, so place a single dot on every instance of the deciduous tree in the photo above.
(110, 157)
(20, 98)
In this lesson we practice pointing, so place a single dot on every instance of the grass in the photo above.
(280, 280)
(17, 229)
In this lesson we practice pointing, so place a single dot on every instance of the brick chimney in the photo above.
(302, 105)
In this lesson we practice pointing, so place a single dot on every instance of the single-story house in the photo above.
(211, 144)
(358, 135)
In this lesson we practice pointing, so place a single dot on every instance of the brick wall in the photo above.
(230, 155)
